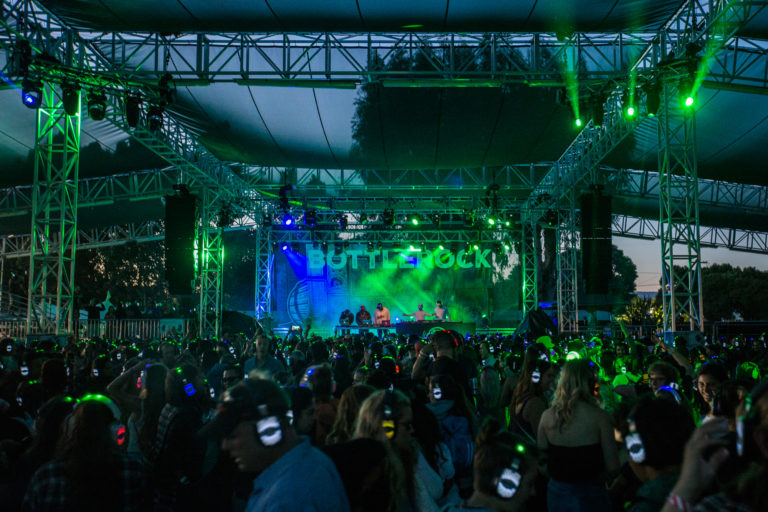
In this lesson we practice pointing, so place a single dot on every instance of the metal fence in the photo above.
(150, 328)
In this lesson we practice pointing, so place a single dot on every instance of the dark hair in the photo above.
(525, 388)
(426, 430)
(320, 378)
(346, 414)
(716, 370)
(666, 369)
(664, 427)
(495, 448)
(153, 401)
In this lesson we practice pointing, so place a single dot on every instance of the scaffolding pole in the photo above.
(567, 277)
(211, 265)
(264, 267)
(529, 257)
(679, 214)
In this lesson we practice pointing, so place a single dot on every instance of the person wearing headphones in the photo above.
(90, 471)
(292, 474)
(505, 468)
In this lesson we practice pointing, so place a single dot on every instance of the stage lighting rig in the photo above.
(132, 109)
(343, 222)
(469, 218)
(283, 193)
(155, 117)
(652, 97)
(388, 217)
(70, 98)
(31, 93)
(310, 218)
(97, 105)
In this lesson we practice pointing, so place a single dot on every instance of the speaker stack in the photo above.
(596, 242)
(180, 222)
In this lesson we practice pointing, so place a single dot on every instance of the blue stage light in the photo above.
(288, 220)
(284, 247)
(31, 93)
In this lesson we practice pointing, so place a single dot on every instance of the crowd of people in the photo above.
(363, 423)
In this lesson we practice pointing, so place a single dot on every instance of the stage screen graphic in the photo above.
(312, 283)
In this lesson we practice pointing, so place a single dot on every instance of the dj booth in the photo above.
(407, 328)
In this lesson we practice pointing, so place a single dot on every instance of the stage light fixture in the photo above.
(441, 247)
(685, 88)
(578, 123)
(475, 246)
(31, 93)
(388, 217)
(652, 98)
(284, 247)
(288, 220)
(469, 218)
(363, 219)
(370, 247)
(324, 247)
(415, 219)
(70, 98)
(97, 105)
(627, 103)
(343, 222)
(132, 105)
(379, 245)
(491, 220)
(310, 218)
(436, 218)
(155, 117)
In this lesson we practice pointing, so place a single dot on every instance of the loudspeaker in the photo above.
(180, 221)
(596, 242)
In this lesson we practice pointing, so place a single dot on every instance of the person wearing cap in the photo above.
(419, 315)
(363, 317)
(292, 474)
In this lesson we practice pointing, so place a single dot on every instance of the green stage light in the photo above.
(630, 111)
(689, 101)
(507, 223)
(506, 247)
(475, 247)
(441, 247)
(578, 123)
(415, 220)
(491, 221)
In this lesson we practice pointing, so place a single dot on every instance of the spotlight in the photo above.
(370, 247)
(578, 123)
(436, 218)
(284, 247)
(363, 219)
(155, 117)
(475, 246)
(310, 218)
(441, 247)
(388, 217)
(343, 222)
(31, 93)
(652, 97)
(469, 218)
(415, 219)
(491, 220)
(685, 88)
(97, 105)
(70, 98)
(287, 220)
(627, 102)
(132, 104)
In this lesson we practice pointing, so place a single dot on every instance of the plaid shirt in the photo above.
(48, 489)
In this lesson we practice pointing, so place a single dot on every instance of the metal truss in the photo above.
(733, 239)
(54, 230)
(211, 264)
(529, 249)
(679, 214)
(566, 259)
(265, 262)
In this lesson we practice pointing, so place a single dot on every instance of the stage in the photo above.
(408, 328)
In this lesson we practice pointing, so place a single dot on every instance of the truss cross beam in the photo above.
(211, 264)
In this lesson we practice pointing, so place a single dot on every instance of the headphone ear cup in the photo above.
(118, 433)
(508, 481)
(269, 431)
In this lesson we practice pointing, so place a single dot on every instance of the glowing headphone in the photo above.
(388, 423)
(634, 442)
(117, 431)
(508, 480)
(189, 387)
(672, 390)
(437, 392)
(536, 374)
(750, 368)
(268, 427)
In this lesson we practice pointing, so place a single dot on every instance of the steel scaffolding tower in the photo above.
(54, 216)
(679, 213)
(567, 275)
(211, 264)
(264, 266)
(529, 257)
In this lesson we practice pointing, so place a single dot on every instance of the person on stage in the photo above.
(419, 315)
(382, 318)
(345, 320)
(441, 312)
(363, 317)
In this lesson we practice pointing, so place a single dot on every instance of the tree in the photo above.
(728, 290)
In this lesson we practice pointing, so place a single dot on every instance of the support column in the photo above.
(211, 265)
(54, 217)
(528, 256)
(679, 214)
(264, 267)
(567, 276)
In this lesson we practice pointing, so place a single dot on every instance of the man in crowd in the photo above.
(419, 315)
(292, 474)
(262, 360)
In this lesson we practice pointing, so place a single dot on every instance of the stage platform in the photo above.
(407, 328)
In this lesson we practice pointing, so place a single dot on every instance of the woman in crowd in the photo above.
(528, 398)
(578, 439)
(89, 473)
(346, 415)
(709, 377)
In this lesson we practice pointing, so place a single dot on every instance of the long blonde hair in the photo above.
(575, 384)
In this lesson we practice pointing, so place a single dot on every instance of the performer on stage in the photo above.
(419, 315)
(382, 318)
(363, 317)
(441, 312)
(346, 320)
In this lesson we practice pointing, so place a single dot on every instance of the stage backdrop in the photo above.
(311, 283)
